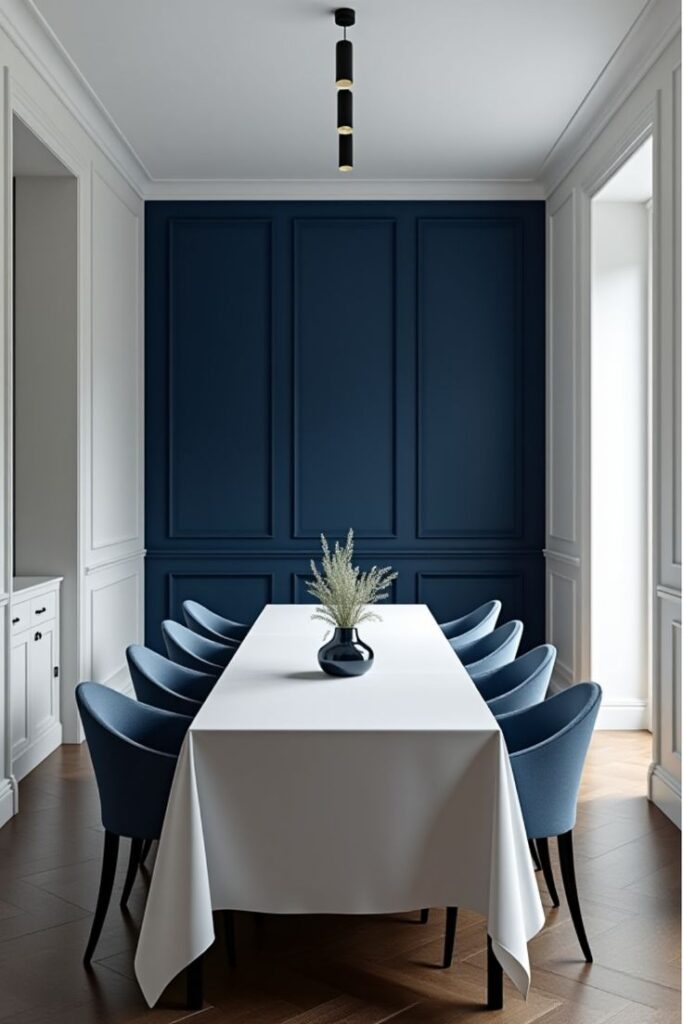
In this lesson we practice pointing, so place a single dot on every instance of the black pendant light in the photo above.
(346, 152)
(345, 112)
(345, 17)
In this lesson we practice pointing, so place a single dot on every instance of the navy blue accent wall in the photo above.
(315, 366)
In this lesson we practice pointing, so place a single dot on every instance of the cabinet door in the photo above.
(19, 684)
(41, 661)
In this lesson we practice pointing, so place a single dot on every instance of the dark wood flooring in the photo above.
(325, 970)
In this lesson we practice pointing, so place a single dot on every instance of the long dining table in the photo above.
(301, 793)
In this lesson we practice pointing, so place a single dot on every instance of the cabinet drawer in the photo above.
(43, 608)
(20, 616)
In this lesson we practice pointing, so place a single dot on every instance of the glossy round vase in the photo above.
(345, 654)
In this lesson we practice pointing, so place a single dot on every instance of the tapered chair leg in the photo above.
(494, 994)
(146, 847)
(544, 856)
(449, 940)
(133, 865)
(111, 853)
(566, 848)
(534, 855)
(228, 919)
(195, 984)
(424, 916)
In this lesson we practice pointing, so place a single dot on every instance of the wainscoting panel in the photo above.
(344, 352)
(316, 366)
(219, 367)
(470, 378)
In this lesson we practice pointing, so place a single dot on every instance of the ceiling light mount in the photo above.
(345, 17)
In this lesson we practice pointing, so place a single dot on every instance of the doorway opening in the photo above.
(44, 451)
(620, 431)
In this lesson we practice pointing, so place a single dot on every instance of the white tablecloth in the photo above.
(296, 792)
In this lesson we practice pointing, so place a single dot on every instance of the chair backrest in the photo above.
(202, 620)
(548, 744)
(520, 683)
(163, 683)
(194, 651)
(134, 749)
(494, 650)
(472, 626)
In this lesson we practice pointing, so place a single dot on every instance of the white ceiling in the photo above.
(244, 89)
(632, 183)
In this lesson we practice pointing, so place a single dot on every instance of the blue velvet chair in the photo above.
(473, 626)
(194, 651)
(547, 744)
(165, 684)
(519, 684)
(211, 625)
(492, 651)
(134, 750)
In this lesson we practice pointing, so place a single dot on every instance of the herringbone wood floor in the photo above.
(347, 970)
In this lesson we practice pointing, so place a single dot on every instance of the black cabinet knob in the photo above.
(38, 636)
(39, 611)
(15, 620)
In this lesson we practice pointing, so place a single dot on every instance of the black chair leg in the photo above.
(449, 941)
(566, 848)
(544, 855)
(195, 984)
(111, 853)
(146, 847)
(534, 855)
(494, 995)
(424, 916)
(133, 865)
(228, 919)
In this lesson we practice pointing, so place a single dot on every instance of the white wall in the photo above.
(40, 87)
(652, 106)
(619, 462)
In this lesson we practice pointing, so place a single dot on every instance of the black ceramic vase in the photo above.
(345, 654)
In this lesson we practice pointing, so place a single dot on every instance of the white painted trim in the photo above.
(39, 749)
(647, 39)
(30, 33)
(99, 566)
(559, 556)
(623, 714)
(7, 809)
(350, 188)
(626, 714)
(121, 681)
(665, 792)
(667, 593)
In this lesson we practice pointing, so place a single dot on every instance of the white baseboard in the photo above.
(38, 751)
(626, 713)
(665, 792)
(6, 801)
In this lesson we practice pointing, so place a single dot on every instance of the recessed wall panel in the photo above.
(344, 377)
(219, 403)
(469, 360)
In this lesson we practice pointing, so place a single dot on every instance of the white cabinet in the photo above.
(36, 728)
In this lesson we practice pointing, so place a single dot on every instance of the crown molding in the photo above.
(27, 29)
(653, 30)
(351, 189)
